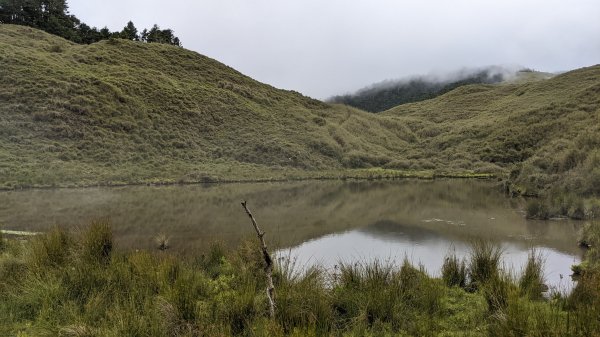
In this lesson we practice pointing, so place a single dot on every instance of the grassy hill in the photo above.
(547, 133)
(119, 111)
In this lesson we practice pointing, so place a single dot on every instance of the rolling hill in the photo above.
(119, 111)
(547, 133)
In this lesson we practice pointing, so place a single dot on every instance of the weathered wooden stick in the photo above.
(268, 262)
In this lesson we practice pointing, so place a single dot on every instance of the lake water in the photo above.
(322, 222)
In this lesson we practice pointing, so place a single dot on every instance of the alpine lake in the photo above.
(313, 222)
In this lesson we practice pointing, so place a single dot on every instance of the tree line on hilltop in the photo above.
(52, 16)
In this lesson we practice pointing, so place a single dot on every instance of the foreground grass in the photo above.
(74, 284)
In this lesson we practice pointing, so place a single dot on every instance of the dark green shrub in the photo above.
(577, 210)
(568, 160)
(56, 48)
(319, 121)
(536, 209)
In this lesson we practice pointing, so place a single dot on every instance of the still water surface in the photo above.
(322, 222)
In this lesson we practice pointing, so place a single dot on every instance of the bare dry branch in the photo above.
(268, 261)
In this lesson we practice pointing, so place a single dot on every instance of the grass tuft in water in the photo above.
(532, 283)
(484, 262)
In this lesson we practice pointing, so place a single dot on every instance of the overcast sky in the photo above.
(327, 47)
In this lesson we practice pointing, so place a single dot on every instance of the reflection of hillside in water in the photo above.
(559, 235)
(387, 230)
(291, 213)
(393, 242)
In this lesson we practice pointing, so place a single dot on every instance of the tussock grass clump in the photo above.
(51, 249)
(454, 271)
(521, 317)
(584, 302)
(162, 241)
(484, 262)
(302, 299)
(532, 281)
(496, 291)
(377, 294)
(97, 243)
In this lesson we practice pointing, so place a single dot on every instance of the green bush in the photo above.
(536, 209)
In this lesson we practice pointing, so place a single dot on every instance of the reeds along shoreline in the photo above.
(74, 284)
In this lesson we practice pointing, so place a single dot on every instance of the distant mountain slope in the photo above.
(388, 94)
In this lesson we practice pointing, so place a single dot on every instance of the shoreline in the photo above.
(366, 174)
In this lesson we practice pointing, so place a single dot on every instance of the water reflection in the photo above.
(419, 219)
(392, 242)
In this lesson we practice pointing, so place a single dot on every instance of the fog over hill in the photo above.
(385, 95)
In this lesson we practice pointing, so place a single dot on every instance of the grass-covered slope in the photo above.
(546, 134)
(127, 112)
(120, 112)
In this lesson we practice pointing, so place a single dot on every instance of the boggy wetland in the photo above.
(313, 222)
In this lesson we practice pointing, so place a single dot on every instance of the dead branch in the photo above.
(268, 262)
